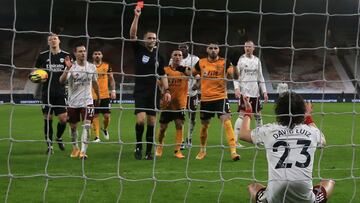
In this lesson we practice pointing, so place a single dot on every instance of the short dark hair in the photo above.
(148, 31)
(79, 44)
(293, 102)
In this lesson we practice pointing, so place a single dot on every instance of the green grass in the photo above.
(113, 173)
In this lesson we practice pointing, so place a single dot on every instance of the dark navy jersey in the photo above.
(54, 66)
(146, 63)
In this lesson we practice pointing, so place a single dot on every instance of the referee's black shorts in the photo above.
(146, 103)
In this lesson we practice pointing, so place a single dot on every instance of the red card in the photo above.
(140, 5)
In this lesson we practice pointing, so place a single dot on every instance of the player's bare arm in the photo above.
(134, 24)
(112, 85)
(245, 130)
(95, 85)
(165, 85)
(68, 65)
(309, 110)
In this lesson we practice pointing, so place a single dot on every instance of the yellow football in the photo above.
(38, 76)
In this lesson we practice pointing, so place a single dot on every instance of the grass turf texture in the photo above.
(113, 173)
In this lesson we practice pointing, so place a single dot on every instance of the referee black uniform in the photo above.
(146, 93)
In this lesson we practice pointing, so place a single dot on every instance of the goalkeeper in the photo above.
(290, 148)
(53, 93)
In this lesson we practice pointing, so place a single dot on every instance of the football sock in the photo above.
(258, 120)
(106, 122)
(139, 129)
(237, 126)
(48, 130)
(230, 135)
(149, 138)
(192, 126)
(74, 135)
(161, 136)
(178, 139)
(84, 137)
(95, 126)
(60, 129)
(203, 136)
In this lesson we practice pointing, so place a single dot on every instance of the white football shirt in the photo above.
(282, 88)
(80, 83)
(250, 76)
(190, 61)
(290, 157)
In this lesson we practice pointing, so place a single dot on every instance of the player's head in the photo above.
(249, 47)
(97, 56)
(53, 41)
(80, 52)
(290, 103)
(184, 48)
(150, 39)
(176, 57)
(213, 50)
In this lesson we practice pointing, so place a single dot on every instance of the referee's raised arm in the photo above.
(134, 24)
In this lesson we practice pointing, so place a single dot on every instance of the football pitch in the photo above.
(112, 174)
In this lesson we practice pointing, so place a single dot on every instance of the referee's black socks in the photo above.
(60, 129)
(139, 129)
(48, 130)
(149, 138)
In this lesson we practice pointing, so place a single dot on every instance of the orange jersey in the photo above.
(103, 71)
(213, 83)
(178, 86)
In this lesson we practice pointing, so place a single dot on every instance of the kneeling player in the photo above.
(174, 111)
(290, 147)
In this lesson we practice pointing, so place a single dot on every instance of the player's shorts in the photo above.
(319, 192)
(82, 113)
(167, 116)
(209, 108)
(255, 104)
(146, 103)
(59, 102)
(104, 104)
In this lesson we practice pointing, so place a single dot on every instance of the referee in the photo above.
(146, 94)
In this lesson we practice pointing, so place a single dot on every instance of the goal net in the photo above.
(313, 46)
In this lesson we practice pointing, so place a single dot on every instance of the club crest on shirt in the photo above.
(62, 60)
(145, 59)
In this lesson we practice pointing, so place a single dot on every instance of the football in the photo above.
(38, 76)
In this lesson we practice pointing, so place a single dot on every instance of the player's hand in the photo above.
(113, 95)
(247, 103)
(266, 97)
(97, 102)
(308, 108)
(248, 107)
(167, 97)
(137, 12)
(237, 93)
(68, 62)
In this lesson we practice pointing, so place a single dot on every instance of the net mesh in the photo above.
(317, 40)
